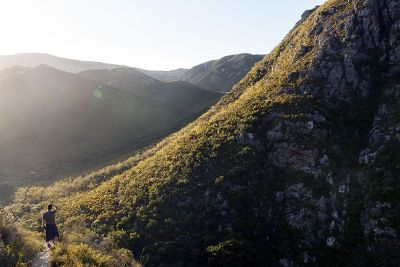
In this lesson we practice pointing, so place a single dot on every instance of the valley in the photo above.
(58, 124)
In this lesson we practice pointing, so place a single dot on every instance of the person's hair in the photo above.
(50, 207)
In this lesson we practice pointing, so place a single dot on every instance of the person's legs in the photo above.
(47, 236)
(56, 235)
(51, 235)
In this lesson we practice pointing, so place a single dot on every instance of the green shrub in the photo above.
(230, 253)
(18, 247)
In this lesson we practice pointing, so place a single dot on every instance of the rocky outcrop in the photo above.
(346, 142)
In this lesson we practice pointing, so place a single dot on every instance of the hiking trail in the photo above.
(42, 259)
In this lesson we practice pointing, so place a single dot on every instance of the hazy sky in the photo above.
(153, 34)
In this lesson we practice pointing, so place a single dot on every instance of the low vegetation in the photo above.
(18, 247)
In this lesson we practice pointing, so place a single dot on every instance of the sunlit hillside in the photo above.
(297, 165)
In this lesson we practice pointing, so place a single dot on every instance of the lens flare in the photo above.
(97, 93)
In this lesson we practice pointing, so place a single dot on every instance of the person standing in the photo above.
(49, 225)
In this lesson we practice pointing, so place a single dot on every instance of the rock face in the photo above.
(298, 165)
(347, 143)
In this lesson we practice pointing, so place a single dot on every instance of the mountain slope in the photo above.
(181, 96)
(64, 64)
(220, 75)
(165, 75)
(15, 70)
(55, 123)
(297, 166)
(217, 75)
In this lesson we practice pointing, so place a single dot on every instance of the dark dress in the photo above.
(51, 232)
(51, 229)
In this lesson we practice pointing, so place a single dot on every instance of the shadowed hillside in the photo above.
(179, 95)
(55, 123)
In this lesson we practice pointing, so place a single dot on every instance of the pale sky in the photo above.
(152, 34)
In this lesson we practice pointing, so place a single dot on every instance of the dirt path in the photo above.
(42, 259)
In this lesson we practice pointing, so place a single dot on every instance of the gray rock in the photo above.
(342, 189)
(331, 241)
(279, 196)
(324, 160)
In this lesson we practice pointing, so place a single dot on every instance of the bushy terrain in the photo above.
(298, 165)
(55, 124)
(18, 247)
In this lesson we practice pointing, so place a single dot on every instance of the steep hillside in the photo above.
(64, 64)
(181, 96)
(297, 166)
(55, 123)
(217, 75)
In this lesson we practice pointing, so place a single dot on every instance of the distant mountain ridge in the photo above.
(64, 64)
(15, 70)
(166, 75)
(217, 75)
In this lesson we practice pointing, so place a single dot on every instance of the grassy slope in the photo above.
(18, 247)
